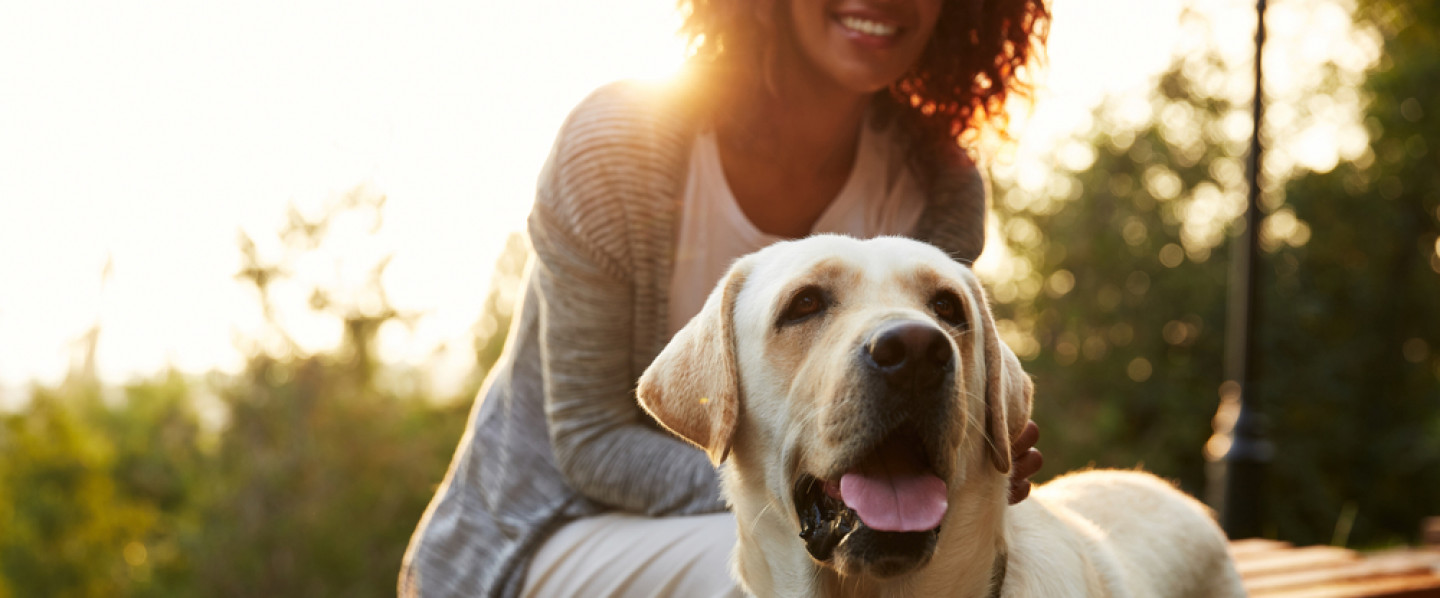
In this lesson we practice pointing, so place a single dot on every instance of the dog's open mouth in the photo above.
(888, 505)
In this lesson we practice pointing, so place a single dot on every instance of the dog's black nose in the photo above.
(910, 355)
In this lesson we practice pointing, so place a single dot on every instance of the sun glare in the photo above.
(140, 138)
(145, 135)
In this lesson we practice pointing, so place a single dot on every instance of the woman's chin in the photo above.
(865, 79)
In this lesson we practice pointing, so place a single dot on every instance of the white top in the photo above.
(881, 197)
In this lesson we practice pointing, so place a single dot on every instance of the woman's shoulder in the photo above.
(617, 167)
(635, 112)
(624, 130)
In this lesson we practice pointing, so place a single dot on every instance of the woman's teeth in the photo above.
(868, 27)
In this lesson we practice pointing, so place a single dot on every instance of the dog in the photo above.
(863, 405)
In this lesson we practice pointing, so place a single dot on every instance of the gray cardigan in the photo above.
(556, 433)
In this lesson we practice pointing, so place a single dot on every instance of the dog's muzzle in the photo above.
(878, 511)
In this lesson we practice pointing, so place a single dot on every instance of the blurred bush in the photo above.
(305, 478)
(311, 489)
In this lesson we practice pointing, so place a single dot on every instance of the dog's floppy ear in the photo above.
(1008, 392)
(693, 386)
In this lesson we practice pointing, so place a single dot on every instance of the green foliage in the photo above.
(310, 489)
(94, 497)
(316, 483)
(1122, 296)
(1351, 376)
(1131, 324)
(307, 480)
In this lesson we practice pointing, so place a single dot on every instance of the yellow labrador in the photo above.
(866, 406)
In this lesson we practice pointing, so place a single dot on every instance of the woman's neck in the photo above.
(787, 149)
(799, 120)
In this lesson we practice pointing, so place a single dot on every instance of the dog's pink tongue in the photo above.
(892, 491)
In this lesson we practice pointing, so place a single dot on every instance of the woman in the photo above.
(795, 117)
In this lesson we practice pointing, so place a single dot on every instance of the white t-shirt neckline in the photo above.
(707, 153)
(880, 197)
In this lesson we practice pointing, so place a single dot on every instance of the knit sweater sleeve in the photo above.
(601, 441)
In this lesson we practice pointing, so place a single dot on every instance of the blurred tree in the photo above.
(322, 472)
(1114, 291)
(1350, 374)
(1115, 266)
(1129, 310)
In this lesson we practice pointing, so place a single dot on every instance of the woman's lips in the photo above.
(869, 30)
(868, 26)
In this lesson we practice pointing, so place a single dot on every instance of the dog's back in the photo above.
(1140, 536)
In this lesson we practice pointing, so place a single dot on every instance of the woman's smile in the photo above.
(870, 33)
(863, 46)
(868, 27)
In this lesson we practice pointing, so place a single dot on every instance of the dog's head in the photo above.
(859, 387)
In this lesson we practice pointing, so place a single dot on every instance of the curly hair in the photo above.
(974, 61)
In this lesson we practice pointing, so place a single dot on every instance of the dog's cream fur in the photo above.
(779, 401)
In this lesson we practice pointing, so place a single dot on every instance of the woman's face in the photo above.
(863, 45)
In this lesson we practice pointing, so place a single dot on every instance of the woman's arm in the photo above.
(602, 441)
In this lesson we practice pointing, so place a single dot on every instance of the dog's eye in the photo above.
(947, 307)
(808, 302)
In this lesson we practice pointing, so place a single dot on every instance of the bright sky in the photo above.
(149, 133)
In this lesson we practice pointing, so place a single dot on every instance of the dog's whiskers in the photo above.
(973, 423)
(754, 523)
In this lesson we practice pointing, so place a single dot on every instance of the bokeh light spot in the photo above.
(1060, 283)
(1171, 255)
(1137, 283)
(1134, 232)
(1162, 182)
(1121, 334)
(1411, 110)
(1094, 347)
(1139, 369)
(135, 554)
(1416, 350)
(1175, 332)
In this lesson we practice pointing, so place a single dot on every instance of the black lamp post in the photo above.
(1239, 452)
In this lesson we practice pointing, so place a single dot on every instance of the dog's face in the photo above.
(860, 386)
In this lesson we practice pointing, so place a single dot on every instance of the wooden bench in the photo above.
(1272, 569)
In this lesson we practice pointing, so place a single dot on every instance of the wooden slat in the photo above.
(1369, 568)
(1295, 559)
(1430, 531)
(1272, 569)
(1404, 586)
(1253, 546)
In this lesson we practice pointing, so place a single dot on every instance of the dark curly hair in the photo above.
(975, 60)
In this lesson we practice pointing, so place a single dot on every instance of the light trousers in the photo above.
(631, 556)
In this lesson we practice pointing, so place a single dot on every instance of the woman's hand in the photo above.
(1026, 461)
